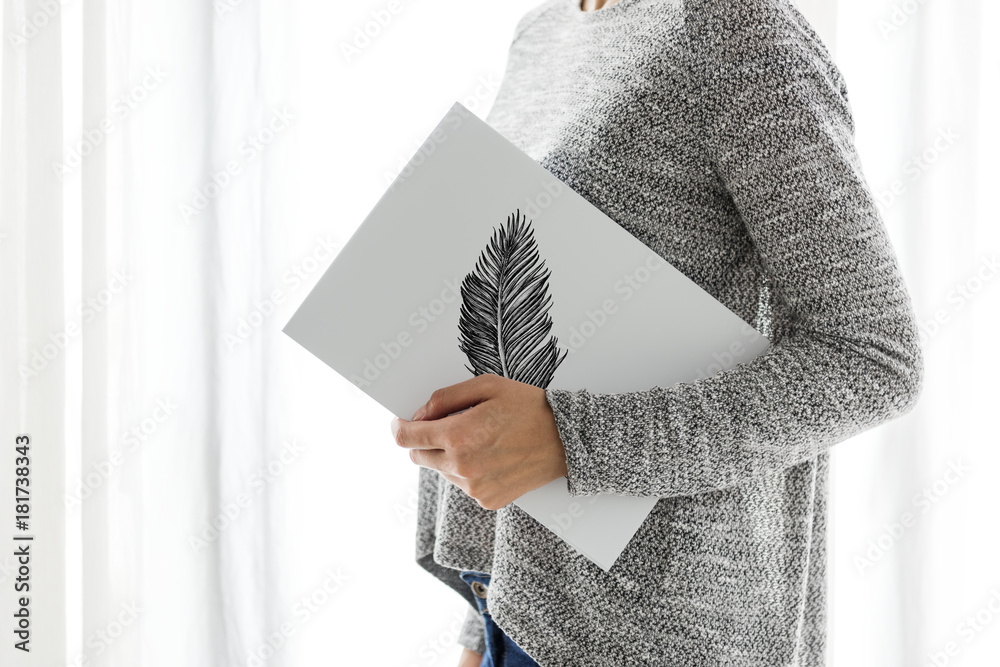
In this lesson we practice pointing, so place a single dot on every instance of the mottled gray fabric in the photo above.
(718, 133)
(472, 632)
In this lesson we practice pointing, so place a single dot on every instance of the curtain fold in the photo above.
(175, 176)
(172, 420)
(911, 551)
(186, 528)
(34, 332)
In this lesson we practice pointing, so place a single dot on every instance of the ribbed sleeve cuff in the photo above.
(473, 633)
(620, 444)
(570, 409)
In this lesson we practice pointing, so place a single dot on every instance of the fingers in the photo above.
(416, 435)
(449, 445)
(433, 458)
(438, 434)
(457, 397)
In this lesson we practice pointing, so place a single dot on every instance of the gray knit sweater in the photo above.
(719, 133)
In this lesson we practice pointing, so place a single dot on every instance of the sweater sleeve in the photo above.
(772, 115)
(473, 633)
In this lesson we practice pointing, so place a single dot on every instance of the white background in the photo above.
(345, 503)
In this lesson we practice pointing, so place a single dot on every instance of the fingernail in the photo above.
(394, 425)
(421, 411)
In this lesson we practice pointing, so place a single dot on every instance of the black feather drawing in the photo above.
(504, 322)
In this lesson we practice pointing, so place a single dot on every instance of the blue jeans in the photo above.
(501, 651)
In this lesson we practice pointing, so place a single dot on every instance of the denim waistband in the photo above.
(501, 651)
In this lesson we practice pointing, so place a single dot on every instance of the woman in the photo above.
(719, 133)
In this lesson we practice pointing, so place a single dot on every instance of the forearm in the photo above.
(771, 115)
(788, 405)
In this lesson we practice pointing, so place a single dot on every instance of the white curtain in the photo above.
(176, 177)
(916, 538)
(117, 115)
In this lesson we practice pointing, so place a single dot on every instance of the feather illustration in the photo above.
(504, 322)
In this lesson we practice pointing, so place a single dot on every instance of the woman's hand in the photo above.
(503, 445)
(470, 658)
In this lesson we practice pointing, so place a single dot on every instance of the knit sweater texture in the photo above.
(718, 133)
